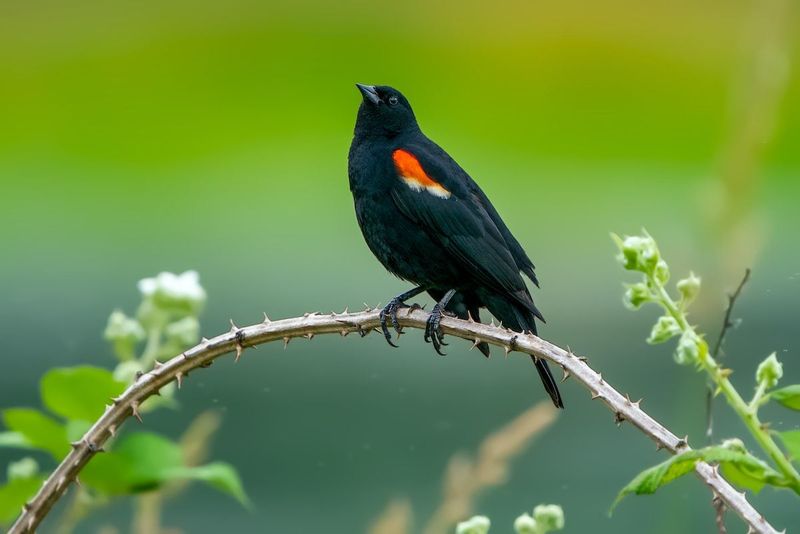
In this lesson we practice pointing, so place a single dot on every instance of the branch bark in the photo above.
(309, 325)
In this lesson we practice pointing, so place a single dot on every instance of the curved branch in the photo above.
(237, 339)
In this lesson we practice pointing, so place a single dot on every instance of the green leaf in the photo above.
(140, 462)
(221, 476)
(791, 440)
(79, 392)
(38, 429)
(14, 440)
(743, 479)
(649, 480)
(15, 494)
(788, 396)
(145, 461)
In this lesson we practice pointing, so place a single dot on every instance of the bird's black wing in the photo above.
(456, 220)
(431, 154)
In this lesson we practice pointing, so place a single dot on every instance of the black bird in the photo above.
(428, 222)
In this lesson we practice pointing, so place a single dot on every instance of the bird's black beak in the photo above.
(369, 93)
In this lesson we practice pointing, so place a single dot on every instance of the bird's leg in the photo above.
(390, 311)
(432, 332)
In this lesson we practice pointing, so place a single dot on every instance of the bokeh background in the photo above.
(138, 137)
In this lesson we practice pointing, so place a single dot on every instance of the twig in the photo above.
(719, 515)
(237, 339)
(726, 324)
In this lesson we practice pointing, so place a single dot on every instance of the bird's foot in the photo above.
(390, 312)
(433, 332)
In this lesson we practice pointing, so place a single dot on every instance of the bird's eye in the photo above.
(393, 100)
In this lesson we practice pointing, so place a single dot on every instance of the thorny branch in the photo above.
(311, 324)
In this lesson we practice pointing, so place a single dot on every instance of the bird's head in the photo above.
(384, 111)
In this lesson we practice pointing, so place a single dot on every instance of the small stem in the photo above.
(756, 401)
(151, 348)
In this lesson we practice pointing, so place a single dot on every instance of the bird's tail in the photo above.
(519, 319)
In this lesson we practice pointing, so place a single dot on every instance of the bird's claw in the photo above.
(390, 312)
(433, 332)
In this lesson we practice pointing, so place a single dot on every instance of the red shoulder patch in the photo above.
(414, 176)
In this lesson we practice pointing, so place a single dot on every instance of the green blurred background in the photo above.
(138, 137)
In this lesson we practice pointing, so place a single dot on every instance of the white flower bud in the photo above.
(689, 287)
(687, 351)
(769, 371)
(549, 517)
(639, 253)
(636, 295)
(181, 292)
(525, 524)
(478, 524)
(665, 329)
(120, 327)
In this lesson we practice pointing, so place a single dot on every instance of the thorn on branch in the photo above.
(135, 411)
(266, 320)
(239, 334)
(286, 341)
(566, 374)
(309, 336)
(179, 379)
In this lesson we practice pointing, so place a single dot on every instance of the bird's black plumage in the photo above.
(428, 222)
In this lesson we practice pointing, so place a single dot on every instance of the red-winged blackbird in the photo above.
(429, 223)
